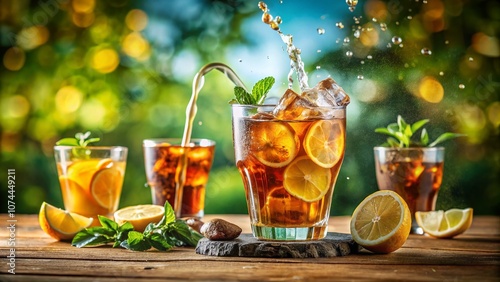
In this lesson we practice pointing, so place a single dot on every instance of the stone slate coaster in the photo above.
(333, 245)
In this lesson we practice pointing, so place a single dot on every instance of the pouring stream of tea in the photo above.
(191, 109)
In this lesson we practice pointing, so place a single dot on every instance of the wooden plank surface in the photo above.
(472, 256)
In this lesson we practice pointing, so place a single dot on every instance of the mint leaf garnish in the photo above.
(401, 133)
(258, 95)
(163, 236)
(80, 140)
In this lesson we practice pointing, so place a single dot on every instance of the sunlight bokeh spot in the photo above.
(105, 60)
(431, 90)
(493, 111)
(486, 45)
(92, 114)
(376, 9)
(32, 37)
(368, 90)
(83, 19)
(136, 20)
(15, 107)
(473, 122)
(68, 99)
(14, 58)
(135, 46)
(370, 36)
(83, 6)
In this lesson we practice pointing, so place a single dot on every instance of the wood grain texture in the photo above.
(472, 256)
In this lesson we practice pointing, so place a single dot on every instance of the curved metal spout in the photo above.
(198, 82)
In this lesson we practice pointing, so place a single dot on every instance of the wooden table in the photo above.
(472, 256)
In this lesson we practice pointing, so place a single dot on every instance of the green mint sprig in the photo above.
(163, 236)
(80, 140)
(258, 95)
(401, 133)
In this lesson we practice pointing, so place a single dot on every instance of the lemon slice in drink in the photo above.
(274, 144)
(106, 187)
(140, 216)
(445, 224)
(324, 142)
(306, 180)
(60, 224)
(381, 223)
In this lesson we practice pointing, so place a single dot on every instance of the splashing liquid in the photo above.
(296, 64)
(191, 109)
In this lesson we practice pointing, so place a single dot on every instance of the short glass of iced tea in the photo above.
(289, 159)
(179, 174)
(414, 173)
(91, 178)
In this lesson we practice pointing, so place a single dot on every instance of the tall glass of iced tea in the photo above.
(414, 173)
(178, 174)
(289, 159)
(91, 178)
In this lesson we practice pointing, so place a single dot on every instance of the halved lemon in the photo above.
(60, 224)
(105, 187)
(381, 223)
(445, 224)
(324, 142)
(274, 144)
(306, 180)
(140, 216)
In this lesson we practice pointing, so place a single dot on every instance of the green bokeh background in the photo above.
(54, 84)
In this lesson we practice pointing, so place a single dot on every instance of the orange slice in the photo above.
(140, 216)
(445, 224)
(306, 180)
(76, 198)
(82, 171)
(381, 223)
(60, 224)
(274, 144)
(105, 187)
(324, 142)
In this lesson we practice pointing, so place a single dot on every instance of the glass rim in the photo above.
(274, 105)
(194, 142)
(382, 148)
(65, 147)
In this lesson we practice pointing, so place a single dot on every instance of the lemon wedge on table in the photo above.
(60, 224)
(381, 223)
(445, 224)
(140, 216)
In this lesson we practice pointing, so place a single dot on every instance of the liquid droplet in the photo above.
(409, 17)
(360, 77)
(318, 67)
(374, 20)
(339, 25)
(240, 60)
(321, 31)
(348, 54)
(318, 51)
(200, 123)
(362, 62)
(356, 19)
(357, 33)
(352, 4)
(346, 40)
(397, 40)
(441, 73)
(401, 45)
(471, 59)
(369, 57)
(426, 51)
(447, 42)
(383, 26)
(461, 86)
(389, 45)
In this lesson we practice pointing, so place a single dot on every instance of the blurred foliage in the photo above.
(123, 70)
